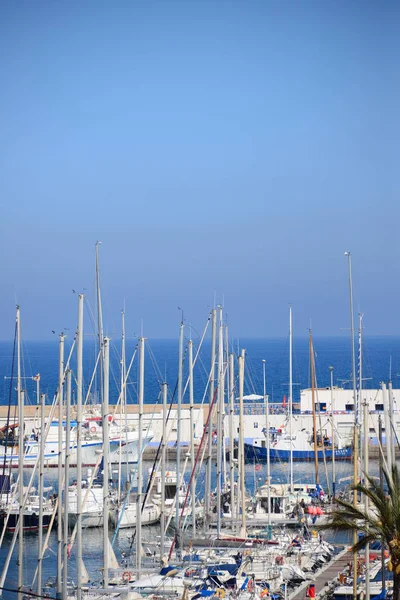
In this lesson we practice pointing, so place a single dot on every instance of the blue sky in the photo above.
(217, 149)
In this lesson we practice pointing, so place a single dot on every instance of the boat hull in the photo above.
(90, 453)
(31, 521)
(254, 453)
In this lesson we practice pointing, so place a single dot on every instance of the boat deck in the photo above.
(326, 574)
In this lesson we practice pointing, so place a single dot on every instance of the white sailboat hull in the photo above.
(128, 449)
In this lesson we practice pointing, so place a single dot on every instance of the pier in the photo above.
(325, 575)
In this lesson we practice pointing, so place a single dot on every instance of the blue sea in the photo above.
(380, 361)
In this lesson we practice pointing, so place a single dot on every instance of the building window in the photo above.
(255, 425)
(349, 407)
(379, 407)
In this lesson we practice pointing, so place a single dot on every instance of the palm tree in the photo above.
(380, 522)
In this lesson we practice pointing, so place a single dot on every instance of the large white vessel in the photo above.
(123, 444)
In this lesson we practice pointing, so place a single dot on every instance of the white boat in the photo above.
(122, 443)
(124, 515)
(92, 503)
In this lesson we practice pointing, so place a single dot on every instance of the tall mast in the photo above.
(163, 460)
(20, 398)
(231, 392)
(60, 465)
(178, 433)
(267, 436)
(381, 487)
(41, 491)
(366, 469)
(122, 407)
(353, 351)
(388, 428)
(66, 483)
(106, 447)
(291, 395)
(210, 426)
(241, 443)
(140, 462)
(313, 408)
(100, 332)
(224, 425)
(79, 373)
(360, 379)
(219, 419)
(391, 423)
(333, 436)
(356, 416)
(192, 425)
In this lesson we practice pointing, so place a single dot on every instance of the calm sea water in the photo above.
(161, 362)
(381, 356)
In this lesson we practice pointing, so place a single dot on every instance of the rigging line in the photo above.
(198, 451)
(251, 375)
(321, 432)
(154, 363)
(156, 457)
(9, 401)
(57, 399)
(197, 353)
(379, 444)
(26, 593)
(206, 432)
(126, 500)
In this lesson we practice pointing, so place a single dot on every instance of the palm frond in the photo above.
(366, 539)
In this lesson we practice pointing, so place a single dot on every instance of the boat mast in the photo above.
(312, 363)
(140, 461)
(192, 425)
(267, 444)
(100, 332)
(210, 426)
(356, 419)
(60, 466)
(381, 458)
(122, 407)
(178, 435)
(163, 460)
(20, 399)
(360, 381)
(232, 436)
(333, 436)
(224, 446)
(79, 373)
(388, 431)
(220, 419)
(41, 491)
(106, 447)
(392, 423)
(291, 395)
(66, 482)
(241, 443)
(366, 468)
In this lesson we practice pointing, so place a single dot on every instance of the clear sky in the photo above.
(217, 149)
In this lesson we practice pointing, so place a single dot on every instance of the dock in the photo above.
(325, 575)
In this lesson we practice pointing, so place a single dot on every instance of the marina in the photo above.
(194, 509)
